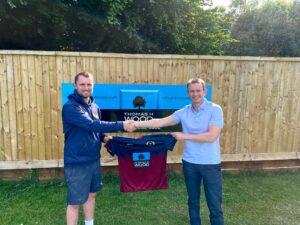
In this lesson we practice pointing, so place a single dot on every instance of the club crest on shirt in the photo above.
(150, 143)
(141, 159)
(82, 110)
(96, 115)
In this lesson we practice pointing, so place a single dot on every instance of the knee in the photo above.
(73, 207)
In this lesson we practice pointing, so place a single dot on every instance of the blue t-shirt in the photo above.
(209, 114)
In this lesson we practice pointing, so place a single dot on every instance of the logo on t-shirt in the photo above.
(150, 143)
(141, 159)
(96, 115)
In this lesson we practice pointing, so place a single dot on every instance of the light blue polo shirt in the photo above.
(209, 114)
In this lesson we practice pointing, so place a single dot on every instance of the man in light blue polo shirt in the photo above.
(201, 122)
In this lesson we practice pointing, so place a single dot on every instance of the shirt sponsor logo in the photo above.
(141, 159)
(138, 116)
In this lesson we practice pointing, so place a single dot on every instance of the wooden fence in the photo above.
(260, 98)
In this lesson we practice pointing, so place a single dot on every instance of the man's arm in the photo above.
(74, 115)
(210, 136)
(156, 123)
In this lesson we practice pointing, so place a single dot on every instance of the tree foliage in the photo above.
(269, 29)
(204, 31)
(132, 26)
(54, 25)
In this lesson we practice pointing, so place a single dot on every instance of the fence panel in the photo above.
(260, 98)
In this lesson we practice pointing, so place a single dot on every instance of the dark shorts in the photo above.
(82, 179)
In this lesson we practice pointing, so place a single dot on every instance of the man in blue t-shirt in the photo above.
(201, 122)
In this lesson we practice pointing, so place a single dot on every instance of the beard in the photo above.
(85, 95)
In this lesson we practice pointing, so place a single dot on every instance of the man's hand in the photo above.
(107, 138)
(129, 125)
(178, 135)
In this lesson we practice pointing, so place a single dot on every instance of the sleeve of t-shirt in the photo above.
(217, 117)
(110, 148)
(177, 115)
(170, 142)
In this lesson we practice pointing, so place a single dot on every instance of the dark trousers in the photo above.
(212, 182)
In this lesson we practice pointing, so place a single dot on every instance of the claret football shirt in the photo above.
(142, 161)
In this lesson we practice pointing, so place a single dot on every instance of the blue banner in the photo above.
(138, 102)
(137, 96)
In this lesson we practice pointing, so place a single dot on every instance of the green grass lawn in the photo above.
(249, 198)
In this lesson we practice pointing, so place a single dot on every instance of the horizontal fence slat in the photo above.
(113, 161)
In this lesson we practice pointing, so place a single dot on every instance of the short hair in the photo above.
(84, 74)
(196, 81)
